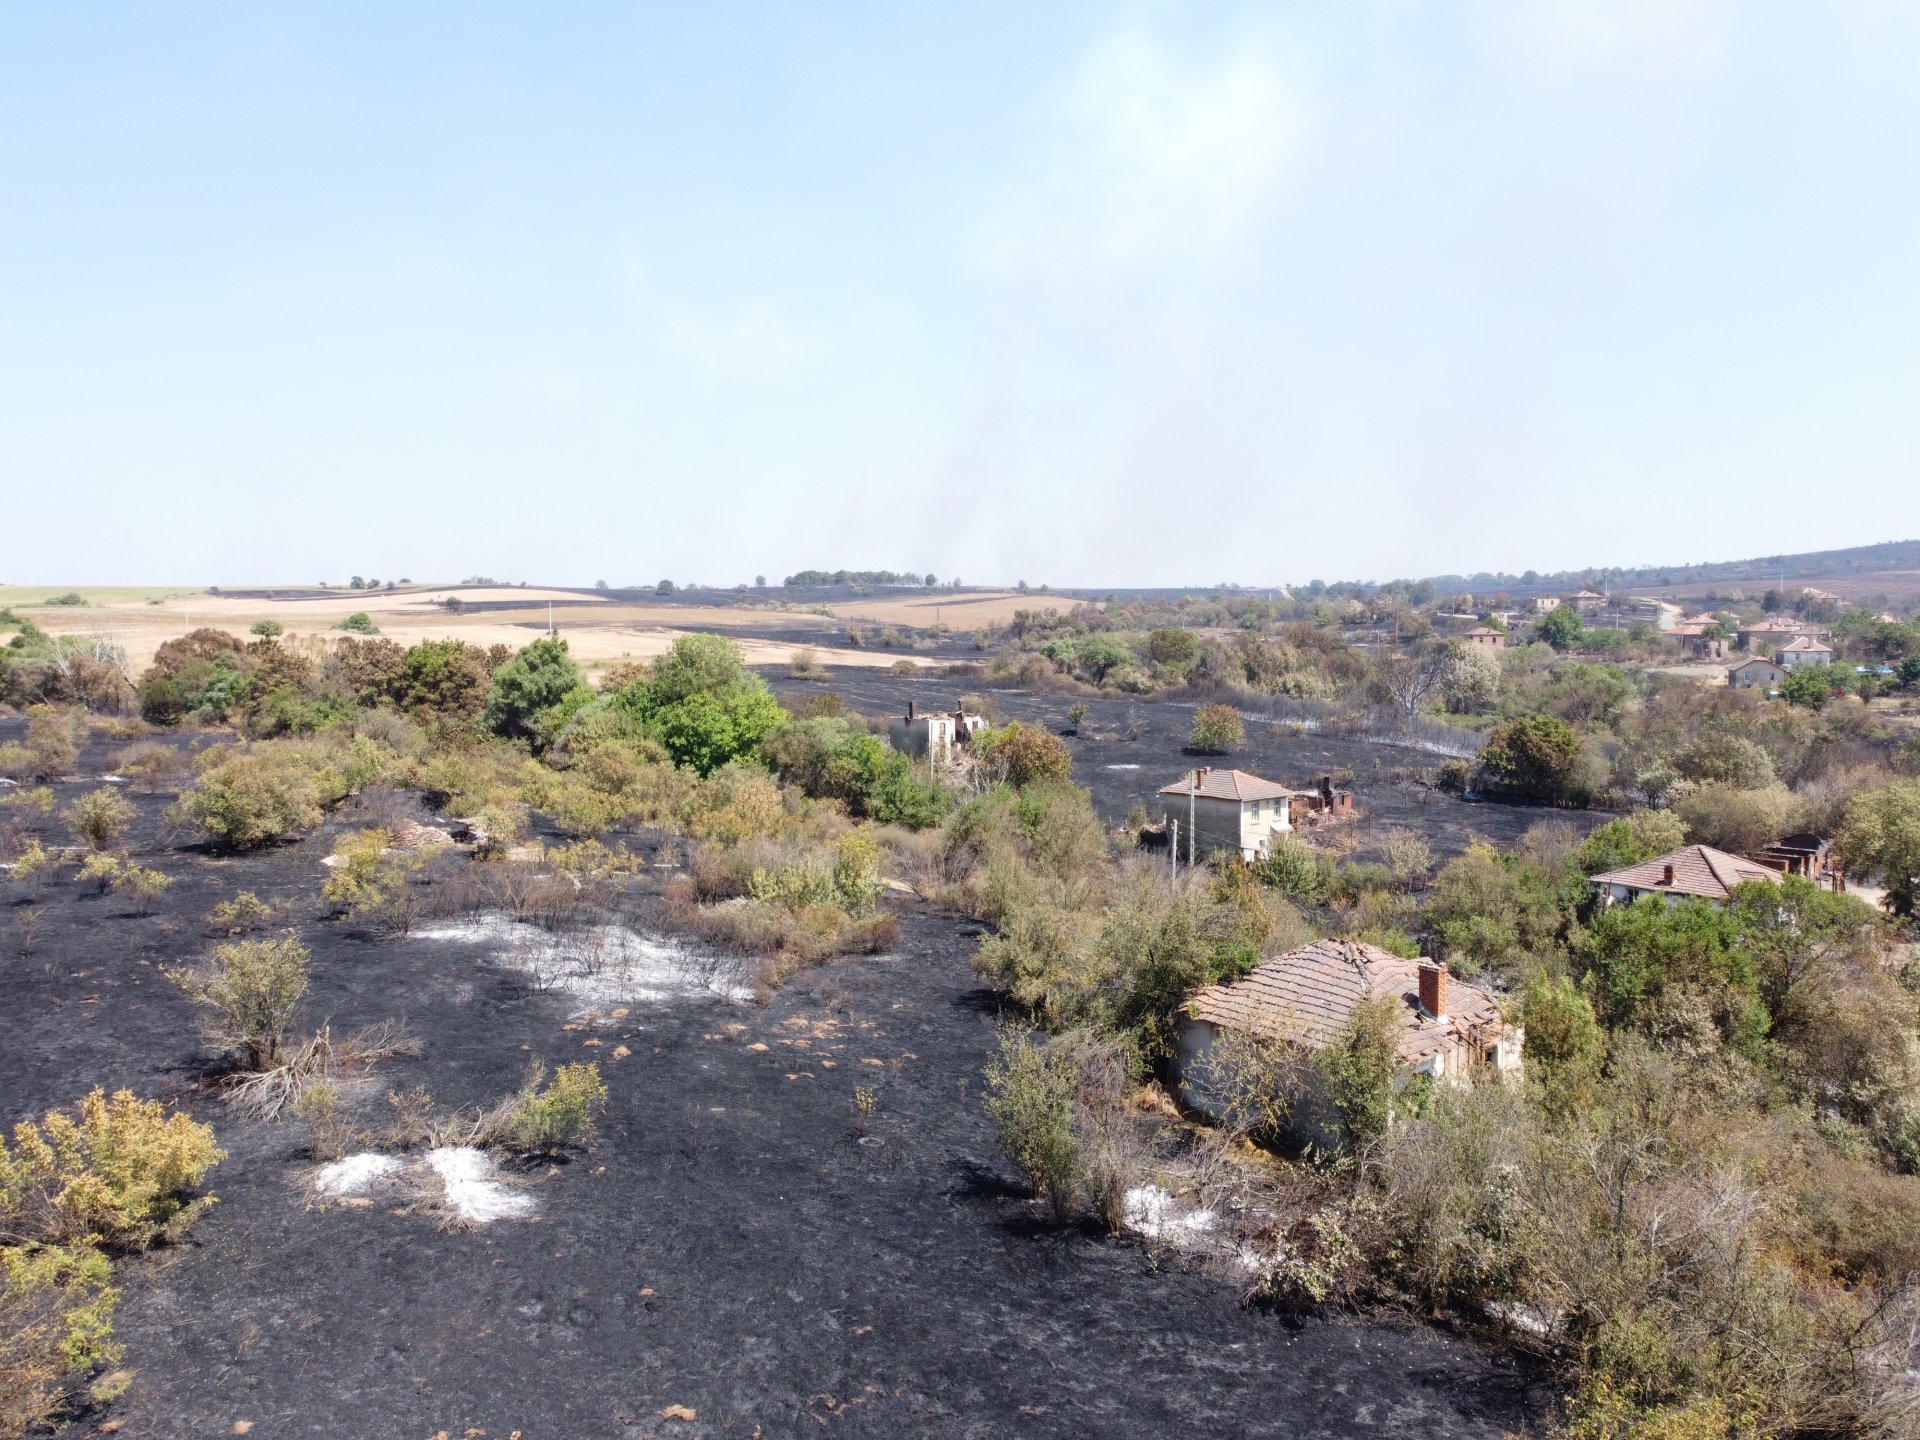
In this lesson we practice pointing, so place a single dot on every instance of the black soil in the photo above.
(733, 1244)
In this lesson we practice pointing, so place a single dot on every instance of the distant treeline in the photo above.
(1859, 560)
(815, 579)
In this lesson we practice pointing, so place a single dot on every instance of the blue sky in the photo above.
(1074, 293)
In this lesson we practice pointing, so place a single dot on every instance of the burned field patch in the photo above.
(750, 1246)
(1126, 749)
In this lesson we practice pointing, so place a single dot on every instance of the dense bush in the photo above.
(111, 1177)
(1023, 755)
(99, 818)
(1534, 757)
(559, 1114)
(1216, 730)
(247, 797)
(836, 759)
(250, 990)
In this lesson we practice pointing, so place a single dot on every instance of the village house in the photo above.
(1757, 673)
(1213, 810)
(1486, 638)
(1543, 603)
(1693, 872)
(1449, 1029)
(922, 734)
(1762, 637)
(1804, 650)
(1588, 602)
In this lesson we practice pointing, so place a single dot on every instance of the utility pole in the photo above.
(1173, 850)
(1193, 790)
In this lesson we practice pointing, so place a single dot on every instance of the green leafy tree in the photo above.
(1630, 840)
(1562, 628)
(360, 623)
(702, 703)
(1565, 1045)
(1807, 685)
(1533, 756)
(535, 692)
(1642, 954)
(447, 680)
(1881, 836)
(1024, 754)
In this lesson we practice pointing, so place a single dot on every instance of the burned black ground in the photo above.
(1126, 749)
(732, 1244)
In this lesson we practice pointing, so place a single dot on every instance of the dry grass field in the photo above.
(599, 632)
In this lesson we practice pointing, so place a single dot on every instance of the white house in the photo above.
(920, 734)
(1804, 650)
(1226, 810)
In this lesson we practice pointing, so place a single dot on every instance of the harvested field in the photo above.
(598, 631)
(733, 1257)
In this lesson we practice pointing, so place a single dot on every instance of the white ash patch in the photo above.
(599, 965)
(1151, 1212)
(356, 1174)
(465, 1179)
(474, 1192)
(1128, 766)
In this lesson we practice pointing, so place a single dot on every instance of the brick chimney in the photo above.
(1200, 776)
(909, 710)
(1666, 873)
(1433, 989)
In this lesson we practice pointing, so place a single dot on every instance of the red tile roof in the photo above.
(1306, 996)
(1697, 870)
(1229, 785)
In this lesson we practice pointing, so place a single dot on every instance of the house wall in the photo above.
(923, 733)
(1313, 1119)
(1226, 824)
(1764, 675)
(1794, 659)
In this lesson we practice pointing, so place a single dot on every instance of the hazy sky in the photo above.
(1067, 292)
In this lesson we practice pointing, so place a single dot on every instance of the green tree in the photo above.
(1642, 953)
(1807, 685)
(1565, 1046)
(535, 692)
(1630, 840)
(360, 623)
(1533, 756)
(1024, 754)
(447, 680)
(1881, 836)
(702, 703)
(1562, 628)
(1173, 647)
